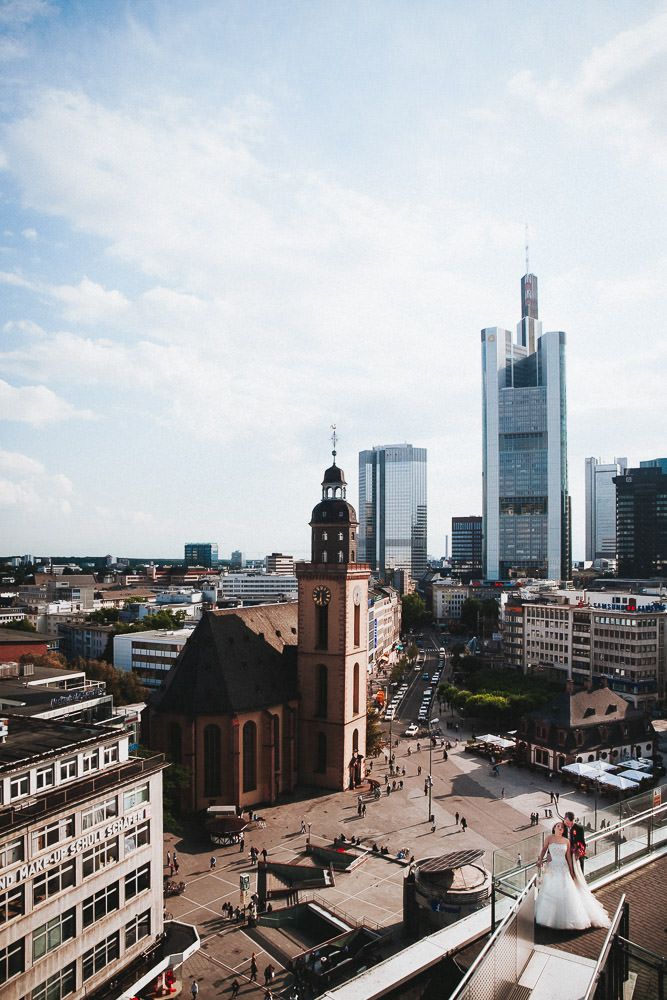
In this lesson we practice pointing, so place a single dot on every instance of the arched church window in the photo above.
(324, 536)
(340, 536)
(324, 555)
(355, 688)
(357, 624)
(340, 556)
(212, 784)
(249, 757)
(174, 742)
(355, 741)
(322, 623)
(276, 742)
(321, 764)
(322, 693)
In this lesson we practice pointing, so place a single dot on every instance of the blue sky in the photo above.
(226, 226)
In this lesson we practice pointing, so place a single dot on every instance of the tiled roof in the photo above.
(234, 661)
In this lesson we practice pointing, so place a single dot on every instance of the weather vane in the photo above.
(334, 438)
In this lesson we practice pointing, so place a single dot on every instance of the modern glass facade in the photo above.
(641, 522)
(601, 507)
(526, 505)
(467, 543)
(201, 554)
(392, 508)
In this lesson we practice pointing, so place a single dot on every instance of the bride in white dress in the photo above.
(564, 901)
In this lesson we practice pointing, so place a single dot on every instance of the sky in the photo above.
(227, 226)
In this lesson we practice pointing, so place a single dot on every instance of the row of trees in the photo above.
(122, 684)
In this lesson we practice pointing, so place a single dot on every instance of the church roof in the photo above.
(333, 512)
(333, 476)
(237, 660)
(586, 708)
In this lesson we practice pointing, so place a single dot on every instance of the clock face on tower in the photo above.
(321, 596)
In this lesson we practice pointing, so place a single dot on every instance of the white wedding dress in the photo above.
(563, 902)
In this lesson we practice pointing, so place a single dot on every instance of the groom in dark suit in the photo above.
(575, 834)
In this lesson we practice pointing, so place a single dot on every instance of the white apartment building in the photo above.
(448, 601)
(591, 636)
(151, 654)
(384, 624)
(256, 585)
(80, 860)
(279, 563)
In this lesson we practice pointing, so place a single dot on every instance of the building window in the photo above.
(138, 928)
(12, 904)
(45, 778)
(357, 624)
(325, 536)
(340, 556)
(276, 742)
(90, 761)
(135, 797)
(52, 833)
(53, 882)
(324, 555)
(321, 764)
(99, 857)
(212, 752)
(137, 838)
(100, 903)
(53, 933)
(355, 689)
(355, 741)
(20, 785)
(11, 852)
(174, 747)
(68, 769)
(57, 986)
(249, 757)
(111, 754)
(322, 622)
(137, 881)
(100, 813)
(97, 958)
(12, 960)
(322, 693)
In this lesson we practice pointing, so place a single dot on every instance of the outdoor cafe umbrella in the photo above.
(634, 775)
(640, 764)
(616, 781)
(496, 740)
(599, 767)
(591, 769)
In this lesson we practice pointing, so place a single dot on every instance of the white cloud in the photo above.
(29, 234)
(26, 485)
(617, 96)
(23, 326)
(15, 13)
(89, 302)
(17, 280)
(36, 405)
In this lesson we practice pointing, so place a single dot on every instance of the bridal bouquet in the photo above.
(579, 849)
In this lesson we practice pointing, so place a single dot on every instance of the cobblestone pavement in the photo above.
(373, 891)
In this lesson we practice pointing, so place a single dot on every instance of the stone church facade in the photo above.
(266, 698)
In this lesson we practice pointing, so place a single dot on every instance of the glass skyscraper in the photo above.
(526, 506)
(601, 507)
(392, 508)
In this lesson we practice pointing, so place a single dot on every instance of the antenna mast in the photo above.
(527, 253)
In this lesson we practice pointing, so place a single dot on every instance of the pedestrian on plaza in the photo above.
(464, 824)
(444, 755)
(194, 989)
(388, 789)
(386, 779)
(502, 793)
(419, 746)
(212, 863)
(235, 988)
(363, 810)
(403, 771)
(269, 973)
(171, 871)
(419, 770)
(253, 968)
(426, 787)
(456, 817)
(176, 865)
(359, 806)
(264, 854)
(241, 842)
(175, 859)
(556, 797)
(168, 858)
(409, 751)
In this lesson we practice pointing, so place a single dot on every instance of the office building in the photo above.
(467, 545)
(80, 860)
(201, 554)
(601, 507)
(655, 463)
(641, 522)
(281, 564)
(237, 560)
(151, 654)
(526, 506)
(392, 509)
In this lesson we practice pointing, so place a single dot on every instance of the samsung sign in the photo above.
(71, 850)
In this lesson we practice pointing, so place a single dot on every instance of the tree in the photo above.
(105, 616)
(123, 685)
(55, 660)
(23, 625)
(414, 613)
(373, 732)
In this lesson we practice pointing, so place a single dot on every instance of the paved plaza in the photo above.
(372, 892)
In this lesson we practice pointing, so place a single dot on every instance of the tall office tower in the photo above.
(467, 544)
(201, 553)
(526, 506)
(392, 509)
(641, 521)
(655, 463)
(601, 507)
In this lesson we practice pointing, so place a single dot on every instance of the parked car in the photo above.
(412, 730)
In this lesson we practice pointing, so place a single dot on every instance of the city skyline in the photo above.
(227, 227)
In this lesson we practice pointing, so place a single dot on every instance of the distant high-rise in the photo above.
(392, 509)
(467, 544)
(641, 521)
(201, 554)
(526, 506)
(279, 563)
(601, 507)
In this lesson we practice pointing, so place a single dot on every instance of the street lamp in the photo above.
(430, 775)
(308, 841)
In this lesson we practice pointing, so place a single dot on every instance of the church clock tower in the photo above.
(333, 643)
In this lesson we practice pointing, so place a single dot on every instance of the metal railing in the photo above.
(79, 791)
(610, 969)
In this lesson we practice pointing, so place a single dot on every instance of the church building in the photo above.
(266, 698)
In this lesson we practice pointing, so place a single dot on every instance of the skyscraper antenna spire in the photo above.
(334, 438)
(527, 251)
